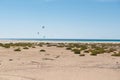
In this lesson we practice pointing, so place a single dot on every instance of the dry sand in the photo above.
(56, 64)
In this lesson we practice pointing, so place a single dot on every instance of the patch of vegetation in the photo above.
(61, 45)
(76, 45)
(82, 55)
(86, 51)
(83, 47)
(23, 44)
(33, 47)
(68, 48)
(42, 50)
(40, 44)
(76, 51)
(116, 54)
(111, 50)
(6, 45)
(25, 48)
(48, 45)
(94, 53)
(97, 50)
(18, 49)
(10, 59)
(1, 44)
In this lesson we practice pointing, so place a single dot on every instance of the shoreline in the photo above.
(36, 41)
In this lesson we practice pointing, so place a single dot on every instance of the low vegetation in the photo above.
(90, 48)
(111, 50)
(97, 51)
(116, 54)
(6, 45)
(10, 59)
(33, 47)
(61, 45)
(83, 47)
(82, 55)
(76, 51)
(68, 48)
(42, 50)
(40, 44)
(93, 53)
(18, 49)
(25, 48)
(86, 51)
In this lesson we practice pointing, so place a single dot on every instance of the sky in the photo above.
(79, 19)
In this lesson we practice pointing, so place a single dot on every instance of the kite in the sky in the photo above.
(43, 27)
(38, 33)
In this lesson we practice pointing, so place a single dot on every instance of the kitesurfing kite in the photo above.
(43, 27)
(38, 33)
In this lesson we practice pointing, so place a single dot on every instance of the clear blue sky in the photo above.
(61, 18)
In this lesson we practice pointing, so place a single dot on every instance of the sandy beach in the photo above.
(59, 39)
(56, 63)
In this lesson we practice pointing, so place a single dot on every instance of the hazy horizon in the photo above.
(66, 19)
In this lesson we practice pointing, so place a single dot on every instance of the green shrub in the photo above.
(6, 46)
(83, 47)
(40, 44)
(76, 51)
(18, 49)
(42, 50)
(1, 44)
(10, 59)
(68, 48)
(116, 54)
(25, 48)
(61, 46)
(76, 45)
(23, 44)
(86, 51)
(98, 51)
(94, 53)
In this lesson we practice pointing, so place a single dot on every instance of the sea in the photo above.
(65, 40)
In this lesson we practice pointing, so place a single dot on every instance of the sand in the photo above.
(56, 64)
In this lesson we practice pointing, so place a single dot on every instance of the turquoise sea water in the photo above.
(65, 40)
